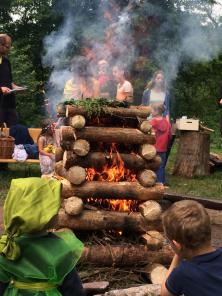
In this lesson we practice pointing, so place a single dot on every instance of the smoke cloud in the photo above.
(110, 35)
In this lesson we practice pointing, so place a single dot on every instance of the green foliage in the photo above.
(95, 107)
(196, 91)
(24, 74)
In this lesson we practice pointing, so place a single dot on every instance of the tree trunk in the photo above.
(73, 205)
(107, 135)
(121, 112)
(147, 151)
(125, 255)
(193, 154)
(107, 220)
(147, 178)
(117, 190)
(97, 160)
(81, 147)
(76, 175)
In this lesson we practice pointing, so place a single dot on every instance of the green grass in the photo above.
(209, 186)
(14, 171)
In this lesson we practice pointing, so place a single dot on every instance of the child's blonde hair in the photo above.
(159, 108)
(188, 223)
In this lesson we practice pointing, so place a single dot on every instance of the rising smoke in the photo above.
(110, 35)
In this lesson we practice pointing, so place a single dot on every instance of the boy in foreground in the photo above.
(196, 269)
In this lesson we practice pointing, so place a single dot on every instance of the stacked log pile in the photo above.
(84, 147)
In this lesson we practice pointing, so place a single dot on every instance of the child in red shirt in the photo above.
(162, 130)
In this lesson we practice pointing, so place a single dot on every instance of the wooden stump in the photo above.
(193, 154)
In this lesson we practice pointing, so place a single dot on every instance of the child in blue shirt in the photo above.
(196, 269)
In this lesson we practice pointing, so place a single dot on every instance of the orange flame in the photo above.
(116, 172)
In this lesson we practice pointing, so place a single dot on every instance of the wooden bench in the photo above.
(34, 133)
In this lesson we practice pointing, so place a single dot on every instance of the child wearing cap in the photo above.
(196, 267)
(33, 261)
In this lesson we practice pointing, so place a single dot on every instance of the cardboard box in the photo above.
(187, 124)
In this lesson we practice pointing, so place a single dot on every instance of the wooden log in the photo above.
(153, 240)
(98, 160)
(144, 290)
(106, 220)
(66, 145)
(73, 205)
(147, 151)
(118, 190)
(94, 288)
(133, 111)
(151, 210)
(147, 178)
(107, 135)
(81, 147)
(59, 169)
(59, 154)
(61, 109)
(76, 175)
(156, 273)
(125, 255)
(145, 127)
(141, 290)
(193, 154)
(209, 203)
(77, 121)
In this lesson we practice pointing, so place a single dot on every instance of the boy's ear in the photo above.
(177, 245)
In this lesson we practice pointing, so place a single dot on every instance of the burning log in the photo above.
(157, 273)
(153, 239)
(125, 255)
(108, 220)
(81, 147)
(107, 135)
(133, 111)
(147, 178)
(151, 210)
(59, 154)
(98, 160)
(77, 121)
(147, 151)
(145, 127)
(119, 190)
(73, 205)
(145, 290)
(76, 175)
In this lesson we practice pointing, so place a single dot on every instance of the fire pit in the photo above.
(109, 186)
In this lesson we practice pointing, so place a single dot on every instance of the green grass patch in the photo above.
(209, 186)
(20, 170)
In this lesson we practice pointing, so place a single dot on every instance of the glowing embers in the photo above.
(115, 172)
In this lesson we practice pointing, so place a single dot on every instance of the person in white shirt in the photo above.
(124, 87)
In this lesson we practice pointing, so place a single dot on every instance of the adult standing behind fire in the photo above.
(106, 83)
(124, 87)
(8, 112)
(156, 92)
(82, 85)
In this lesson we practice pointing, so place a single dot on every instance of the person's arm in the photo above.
(41, 148)
(167, 106)
(175, 262)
